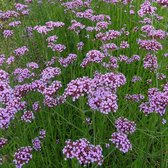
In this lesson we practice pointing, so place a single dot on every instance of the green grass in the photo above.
(66, 121)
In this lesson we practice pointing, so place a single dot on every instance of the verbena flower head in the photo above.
(83, 151)
(92, 56)
(22, 156)
(150, 62)
(150, 45)
(163, 2)
(21, 51)
(36, 144)
(28, 116)
(121, 141)
(125, 126)
(3, 142)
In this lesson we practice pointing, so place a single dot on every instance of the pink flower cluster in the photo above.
(83, 151)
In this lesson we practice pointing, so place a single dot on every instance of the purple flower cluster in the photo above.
(103, 100)
(28, 116)
(150, 62)
(22, 156)
(109, 35)
(121, 141)
(125, 126)
(163, 2)
(14, 23)
(150, 45)
(146, 8)
(50, 72)
(83, 151)
(21, 51)
(22, 74)
(36, 144)
(92, 56)
(68, 60)
(8, 33)
(3, 142)
(158, 101)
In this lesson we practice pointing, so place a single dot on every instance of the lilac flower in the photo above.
(28, 116)
(83, 151)
(103, 100)
(22, 156)
(146, 8)
(68, 60)
(52, 89)
(20, 7)
(92, 56)
(109, 35)
(36, 144)
(36, 106)
(163, 2)
(4, 76)
(51, 25)
(150, 62)
(42, 134)
(76, 26)
(42, 29)
(14, 23)
(21, 51)
(32, 65)
(125, 126)
(3, 142)
(166, 54)
(22, 74)
(2, 59)
(124, 44)
(52, 39)
(9, 14)
(121, 141)
(50, 72)
(102, 25)
(8, 33)
(77, 88)
(150, 45)
(5, 118)
(158, 102)
(57, 47)
(10, 60)
(80, 45)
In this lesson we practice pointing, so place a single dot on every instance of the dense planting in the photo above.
(84, 83)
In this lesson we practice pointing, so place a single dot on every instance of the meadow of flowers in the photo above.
(83, 83)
